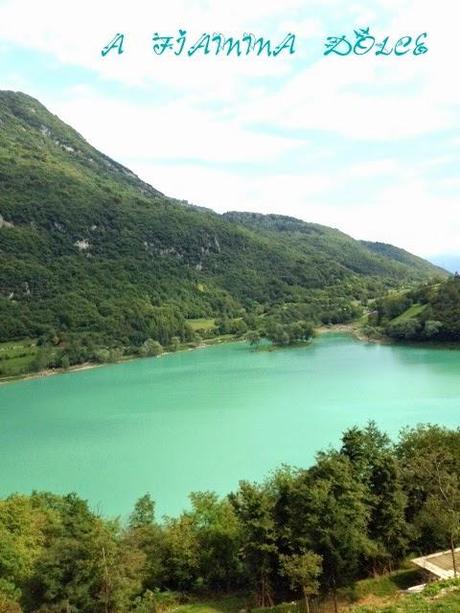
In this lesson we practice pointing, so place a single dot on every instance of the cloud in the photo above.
(363, 99)
(224, 190)
(411, 215)
(130, 131)
(75, 33)
(375, 98)
(263, 135)
(372, 168)
(360, 97)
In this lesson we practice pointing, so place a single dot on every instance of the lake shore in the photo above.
(51, 372)
(353, 329)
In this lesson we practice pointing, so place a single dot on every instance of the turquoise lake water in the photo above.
(203, 420)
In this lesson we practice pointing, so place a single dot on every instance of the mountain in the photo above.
(316, 240)
(87, 247)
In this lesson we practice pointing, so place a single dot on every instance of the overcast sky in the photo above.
(366, 144)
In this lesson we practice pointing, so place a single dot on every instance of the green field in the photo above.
(386, 585)
(446, 601)
(228, 604)
(201, 324)
(380, 594)
(16, 357)
(411, 312)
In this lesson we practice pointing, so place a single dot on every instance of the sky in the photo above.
(367, 144)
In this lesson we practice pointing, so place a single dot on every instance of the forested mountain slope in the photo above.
(87, 247)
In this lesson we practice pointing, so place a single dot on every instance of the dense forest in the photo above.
(96, 264)
(428, 312)
(304, 534)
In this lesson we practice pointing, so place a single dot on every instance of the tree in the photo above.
(175, 343)
(277, 333)
(362, 446)
(430, 457)
(70, 572)
(432, 328)
(254, 508)
(303, 571)
(82, 565)
(21, 543)
(145, 538)
(407, 329)
(143, 513)
(151, 348)
(388, 527)
(441, 511)
(328, 514)
(375, 466)
(218, 535)
(8, 604)
(181, 553)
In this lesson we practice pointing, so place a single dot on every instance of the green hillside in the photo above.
(430, 312)
(398, 255)
(321, 243)
(88, 251)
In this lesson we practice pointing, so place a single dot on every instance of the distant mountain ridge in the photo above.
(87, 246)
(398, 255)
(312, 236)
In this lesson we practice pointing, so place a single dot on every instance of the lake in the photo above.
(204, 419)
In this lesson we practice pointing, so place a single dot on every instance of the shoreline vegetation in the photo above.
(351, 329)
(354, 329)
(426, 314)
(50, 372)
(337, 535)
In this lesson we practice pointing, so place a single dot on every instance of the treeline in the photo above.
(430, 312)
(109, 330)
(287, 330)
(134, 327)
(359, 510)
(157, 329)
(288, 323)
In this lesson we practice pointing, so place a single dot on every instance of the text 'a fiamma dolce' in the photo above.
(210, 44)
